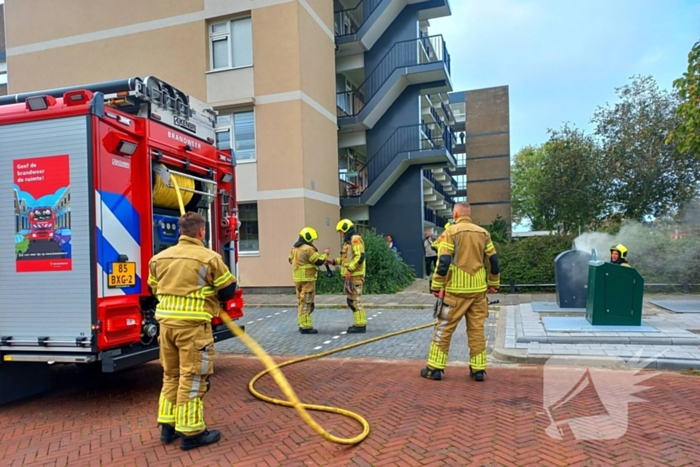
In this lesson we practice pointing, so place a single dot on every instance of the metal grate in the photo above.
(569, 323)
(552, 307)
(678, 306)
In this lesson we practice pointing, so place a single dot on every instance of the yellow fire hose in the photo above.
(273, 369)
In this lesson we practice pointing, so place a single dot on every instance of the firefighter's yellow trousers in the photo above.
(187, 357)
(306, 292)
(475, 308)
(354, 300)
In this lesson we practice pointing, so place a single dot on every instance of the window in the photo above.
(237, 131)
(248, 233)
(3, 78)
(231, 44)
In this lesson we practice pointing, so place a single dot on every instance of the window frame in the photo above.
(226, 36)
(230, 128)
(241, 252)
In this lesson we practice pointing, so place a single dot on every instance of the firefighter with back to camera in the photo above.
(189, 281)
(305, 260)
(352, 265)
(467, 270)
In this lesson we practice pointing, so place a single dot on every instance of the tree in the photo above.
(498, 230)
(647, 176)
(527, 185)
(558, 186)
(687, 133)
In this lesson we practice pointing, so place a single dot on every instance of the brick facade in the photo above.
(487, 123)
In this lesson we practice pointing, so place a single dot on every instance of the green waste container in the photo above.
(615, 295)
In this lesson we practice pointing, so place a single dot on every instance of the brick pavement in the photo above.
(111, 420)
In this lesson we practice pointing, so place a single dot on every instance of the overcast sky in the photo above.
(563, 58)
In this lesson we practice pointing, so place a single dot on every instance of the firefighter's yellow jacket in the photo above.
(467, 260)
(352, 256)
(186, 278)
(305, 260)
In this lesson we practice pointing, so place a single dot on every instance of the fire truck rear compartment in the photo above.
(46, 311)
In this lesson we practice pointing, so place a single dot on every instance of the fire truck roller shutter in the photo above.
(165, 197)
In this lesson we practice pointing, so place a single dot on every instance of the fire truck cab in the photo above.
(103, 160)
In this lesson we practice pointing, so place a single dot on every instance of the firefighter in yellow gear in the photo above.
(352, 265)
(305, 261)
(618, 255)
(436, 243)
(467, 270)
(190, 281)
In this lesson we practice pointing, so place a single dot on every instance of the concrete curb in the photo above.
(522, 356)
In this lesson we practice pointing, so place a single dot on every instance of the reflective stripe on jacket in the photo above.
(469, 248)
(303, 259)
(350, 255)
(186, 278)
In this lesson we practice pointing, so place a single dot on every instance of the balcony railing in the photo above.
(350, 20)
(430, 216)
(453, 182)
(438, 186)
(411, 138)
(424, 50)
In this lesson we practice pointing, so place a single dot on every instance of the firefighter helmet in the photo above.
(620, 248)
(308, 234)
(344, 225)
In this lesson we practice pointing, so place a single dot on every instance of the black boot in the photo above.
(429, 373)
(168, 434)
(202, 439)
(308, 331)
(356, 329)
(477, 375)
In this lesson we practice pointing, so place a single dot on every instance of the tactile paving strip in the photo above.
(552, 307)
(678, 306)
(574, 323)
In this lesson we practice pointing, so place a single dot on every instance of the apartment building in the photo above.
(395, 122)
(483, 152)
(334, 108)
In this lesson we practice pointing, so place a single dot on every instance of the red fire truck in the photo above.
(103, 158)
(42, 220)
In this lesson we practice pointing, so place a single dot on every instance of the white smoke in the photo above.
(651, 249)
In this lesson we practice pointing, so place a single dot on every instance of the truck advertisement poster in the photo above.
(42, 214)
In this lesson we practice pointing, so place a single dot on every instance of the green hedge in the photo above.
(385, 274)
(531, 260)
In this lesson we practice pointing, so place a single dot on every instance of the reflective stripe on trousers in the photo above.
(306, 292)
(187, 357)
(473, 307)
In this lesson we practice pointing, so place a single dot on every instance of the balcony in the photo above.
(435, 196)
(424, 61)
(358, 28)
(431, 217)
(408, 145)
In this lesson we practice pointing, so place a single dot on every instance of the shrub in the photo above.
(384, 274)
(531, 260)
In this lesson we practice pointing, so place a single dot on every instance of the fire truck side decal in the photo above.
(117, 233)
